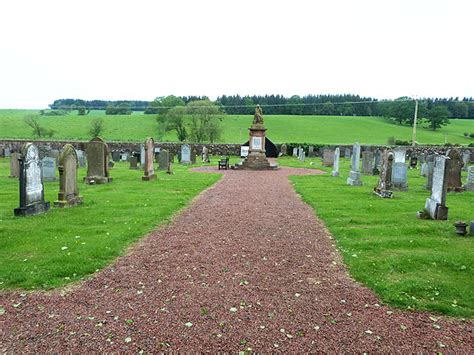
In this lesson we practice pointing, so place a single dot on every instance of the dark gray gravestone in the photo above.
(97, 162)
(163, 160)
(133, 163)
(367, 163)
(436, 203)
(185, 154)
(399, 176)
(14, 165)
(31, 184)
(354, 174)
(310, 151)
(335, 167)
(115, 155)
(49, 168)
(7, 153)
(429, 171)
(148, 168)
(470, 179)
(454, 167)
(383, 188)
(68, 191)
(193, 156)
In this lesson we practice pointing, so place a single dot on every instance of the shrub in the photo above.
(391, 140)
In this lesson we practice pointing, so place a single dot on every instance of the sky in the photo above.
(142, 49)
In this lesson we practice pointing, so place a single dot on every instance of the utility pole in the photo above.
(413, 142)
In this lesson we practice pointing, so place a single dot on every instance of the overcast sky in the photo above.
(141, 49)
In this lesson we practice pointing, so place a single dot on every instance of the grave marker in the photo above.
(436, 203)
(97, 162)
(385, 181)
(49, 168)
(68, 191)
(163, 160)
(335, 167)
(148, 169)
(354, 174)
(185, 154)
(283, 150)
(133, 162)
(14, 165)
(328, 157)
(31, 184)
(454, 167)
(367, 162)
(470, 179)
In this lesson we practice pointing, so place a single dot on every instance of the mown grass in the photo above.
(409, 263)
(33, 252)
(284, 128)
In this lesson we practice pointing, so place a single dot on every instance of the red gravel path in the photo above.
(250, 266)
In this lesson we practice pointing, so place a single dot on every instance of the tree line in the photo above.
(344, 105)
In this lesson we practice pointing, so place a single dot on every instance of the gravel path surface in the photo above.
(247, 265)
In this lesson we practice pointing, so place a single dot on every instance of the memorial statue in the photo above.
(258, 117)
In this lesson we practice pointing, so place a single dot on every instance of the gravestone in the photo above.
(367, 162)
(193, 156)
(454, 167)
(399, 170)
(14, 165)
(81, 156)
(53, 153)
(310, 151)
(303, 155)
(429, 171)
(385, 181)
(347, 153)
(328, 157)
(283, 150)
(49, 168)
(466, 157)
(470, 179)
(244, 151)
(115, 155)
(7, 152)
(436, 203)
(424, 169)
(377, 161)
(124, 156)
(68, 191)
(295, 152)
(133, 163)
(148, 169)
(31, 184)
(97, 162)
(422, 158)
(399, 155)
(142, 154)
(163, 160)
(185, 154)
(354, 174)
(335, 167)
(399, 176)
(205, 155)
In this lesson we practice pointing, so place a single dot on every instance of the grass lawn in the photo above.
(33, 252)
(284, 128)
(409, 263)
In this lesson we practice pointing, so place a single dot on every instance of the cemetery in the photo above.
(395, 246)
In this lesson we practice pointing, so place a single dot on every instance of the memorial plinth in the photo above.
(257, 159)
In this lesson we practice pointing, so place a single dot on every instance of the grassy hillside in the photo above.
(299, 129)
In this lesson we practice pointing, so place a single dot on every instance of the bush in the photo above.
(391, 140)
(471, 135)
(400, 142)
(466, 134)
(470, 145)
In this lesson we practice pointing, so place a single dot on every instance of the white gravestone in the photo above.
(244, 151)
(335, 168)
(185, 154)
(436, 203)
(354, 174)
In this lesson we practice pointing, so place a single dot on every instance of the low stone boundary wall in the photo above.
(217, 149)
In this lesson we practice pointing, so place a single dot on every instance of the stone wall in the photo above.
(214, 149)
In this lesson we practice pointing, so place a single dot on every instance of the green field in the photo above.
(409, 263)
(65, 245)
(281, 129)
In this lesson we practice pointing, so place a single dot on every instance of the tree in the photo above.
(171, 116)
(97, 127)
(402, 110)
(38, 130)
(205, 121)
(82, 111)
(459, 110)
(437, 116)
